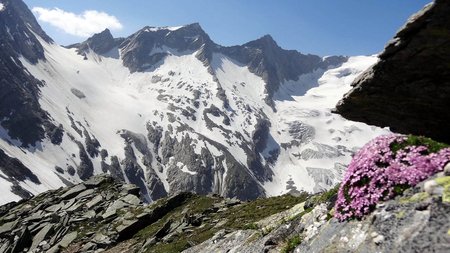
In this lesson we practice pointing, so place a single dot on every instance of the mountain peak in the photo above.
(264, 42)
(16, 12)
(137, 47)
(100, 43)
(106, 31)
(267, 37)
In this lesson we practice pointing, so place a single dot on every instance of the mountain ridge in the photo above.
(169, 110)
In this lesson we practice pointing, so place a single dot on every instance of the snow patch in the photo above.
(155, 29)
(185, 168)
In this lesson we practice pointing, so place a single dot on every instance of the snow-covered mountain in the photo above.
(169, 110)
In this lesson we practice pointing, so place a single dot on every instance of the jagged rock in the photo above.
(398, 225)
(112, 209)
(7, 227)
(131, 189)
(131, 199)
(101, 43)
(22, 241)
(73, 191)
(98, 180)
(91, 246)
(94, 202)
(41, 236)
(101, 240)
(68, 239)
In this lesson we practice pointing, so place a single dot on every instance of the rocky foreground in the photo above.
(102, 215)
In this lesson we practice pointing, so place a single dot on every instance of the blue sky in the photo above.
(323, 27)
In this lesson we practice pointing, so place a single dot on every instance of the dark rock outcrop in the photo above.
(268, 60)
(137, 49)
(100, 43)
(20, 112)
(14, 169)
(409, 89)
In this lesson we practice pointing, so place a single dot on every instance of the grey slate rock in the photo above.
(41, 236)
(73, 191)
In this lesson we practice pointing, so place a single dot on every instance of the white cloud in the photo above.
(82, 25)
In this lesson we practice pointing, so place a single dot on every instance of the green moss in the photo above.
(328, 195)
(251, 212)
(418, 197)
(252, 225)
(291, 244)
(412, 140)
(444, 182)
(201, 203)
(400, 215)
(399, 189)
(173, 247)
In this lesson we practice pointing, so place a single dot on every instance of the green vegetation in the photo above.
(412, 140)
(291, 244)
(241, 216)
(445, 183)
(253, 226)
(418, 197)
(251, 212)
(216, 214)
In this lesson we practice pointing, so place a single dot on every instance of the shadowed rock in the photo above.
(409, 89)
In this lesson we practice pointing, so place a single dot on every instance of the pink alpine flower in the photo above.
(378, 173)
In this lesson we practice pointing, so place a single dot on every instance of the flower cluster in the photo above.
(383, 168)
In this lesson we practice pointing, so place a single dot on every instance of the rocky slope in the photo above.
(409, 88)
(104, 215)
(169, 110)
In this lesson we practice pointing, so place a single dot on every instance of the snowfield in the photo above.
(101, 97)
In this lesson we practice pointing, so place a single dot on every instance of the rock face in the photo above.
(409, 88)
(274, 64)
(408, 223)
(20, 112)
(16, 172)
(100, 43)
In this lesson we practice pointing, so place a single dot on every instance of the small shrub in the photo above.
(291, 244)
(252, 226)
(385, 167)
